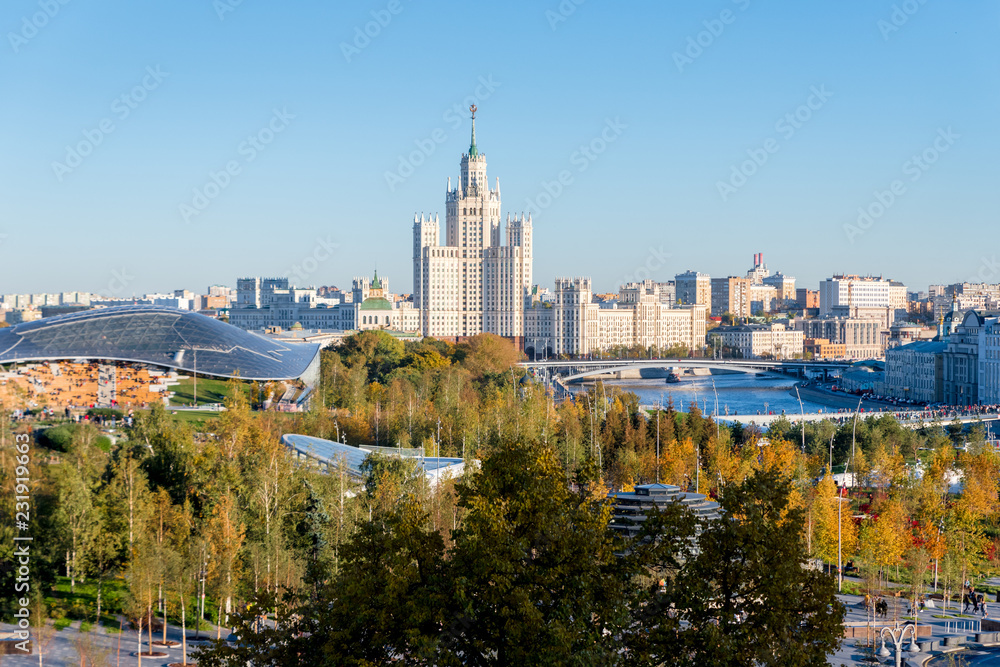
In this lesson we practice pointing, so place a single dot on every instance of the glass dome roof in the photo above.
(161, 336)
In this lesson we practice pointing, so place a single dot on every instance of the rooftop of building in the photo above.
(160, 336)
(376, 303)
(332, 453)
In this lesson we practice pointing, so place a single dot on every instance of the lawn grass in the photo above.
(64, 607)
(199, 420)
(209, 391)
(851, 588)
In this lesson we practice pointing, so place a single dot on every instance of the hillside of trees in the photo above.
(513, 560)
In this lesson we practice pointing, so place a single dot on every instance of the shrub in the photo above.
(103, 443)
(105, 412)
(58, 438)
(852, 588)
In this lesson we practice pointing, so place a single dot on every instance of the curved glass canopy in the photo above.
(161, 336)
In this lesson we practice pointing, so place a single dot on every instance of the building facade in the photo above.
(807, 299)
(268, 303)
(861, 337)
(694, 288)
(478, 278)
(865, 296)
(961, 359)
(914, 371)
(574, 323)
(762, 340)
(989, 362)
(784, 286)
(731, 295)
(821, 348)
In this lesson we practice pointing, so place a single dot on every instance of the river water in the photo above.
(742, 394)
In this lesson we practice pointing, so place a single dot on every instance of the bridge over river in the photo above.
(907, 418)
(579, 369)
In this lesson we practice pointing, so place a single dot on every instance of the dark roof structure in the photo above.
(630, 508)
(160, 336)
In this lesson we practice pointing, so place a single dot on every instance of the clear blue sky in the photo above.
(651, 199)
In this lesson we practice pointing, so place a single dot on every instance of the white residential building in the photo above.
(574, 323)
(757, 340)
(472, 281)
(865, 296)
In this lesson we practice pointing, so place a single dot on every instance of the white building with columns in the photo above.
(265, 303)
(478, 277)
(573, 323)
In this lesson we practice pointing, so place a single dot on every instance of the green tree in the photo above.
(745, 598)
(74, 519)
(391, 596)
(536, 579)
(377, 351)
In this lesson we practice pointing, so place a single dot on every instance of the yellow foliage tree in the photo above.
(885, 538)
(825, 518)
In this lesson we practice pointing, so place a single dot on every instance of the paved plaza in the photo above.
(118, 649)
(107, 649)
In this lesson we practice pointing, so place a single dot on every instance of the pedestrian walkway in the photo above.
(942, 624)
(63, 648)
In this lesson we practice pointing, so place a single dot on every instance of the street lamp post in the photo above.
(854, 433)
(840, 568)
(658, 441)
(204, 575)
(897, 635)
(802, 413)
(718, 435)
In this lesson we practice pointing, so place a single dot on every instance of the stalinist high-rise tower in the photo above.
(472, 282)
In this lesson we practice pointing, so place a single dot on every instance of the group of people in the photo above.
(878, 604)
(970, 597)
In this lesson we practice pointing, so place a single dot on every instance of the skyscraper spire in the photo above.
(472, 147)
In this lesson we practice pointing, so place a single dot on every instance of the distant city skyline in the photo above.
(175, 147)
